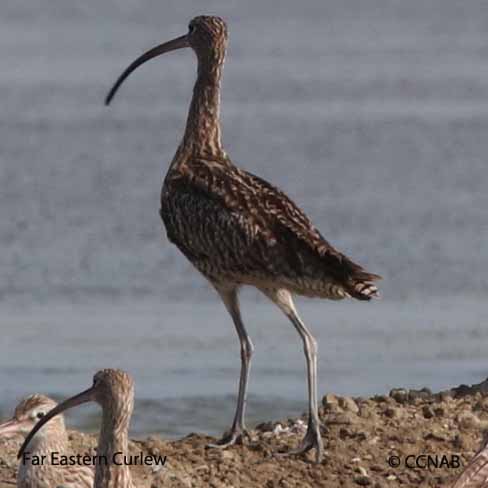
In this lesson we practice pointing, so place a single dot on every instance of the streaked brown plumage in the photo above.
(52, 439)
(238, 229)
(245, 231)
(113, 390)
(476, 473)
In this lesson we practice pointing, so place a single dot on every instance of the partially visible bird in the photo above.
(237, 229)
(476, 473)
(53, 438)
(113, 390)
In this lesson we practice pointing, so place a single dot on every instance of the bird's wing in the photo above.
(271, 214)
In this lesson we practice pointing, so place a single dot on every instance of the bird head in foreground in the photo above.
(112, 389)
(27, 413)
(207, 36)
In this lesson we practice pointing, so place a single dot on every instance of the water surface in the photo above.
(373, 116)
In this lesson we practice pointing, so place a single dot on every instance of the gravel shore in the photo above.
(431, 437)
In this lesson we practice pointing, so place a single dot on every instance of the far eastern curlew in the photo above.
(237, 229)
(52, 439)
(113, 390)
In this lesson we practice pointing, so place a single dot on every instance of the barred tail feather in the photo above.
(364, 290)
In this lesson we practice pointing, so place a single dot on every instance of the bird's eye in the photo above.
(40, 415)
(191, 28)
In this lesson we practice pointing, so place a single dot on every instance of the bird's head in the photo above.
(112, 389)
(27, 413)
(207, 36)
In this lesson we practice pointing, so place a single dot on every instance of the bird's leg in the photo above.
(312, 438)
(238, 429)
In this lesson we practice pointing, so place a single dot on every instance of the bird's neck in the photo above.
(37, 462)
(44, 444)
(113, 445)
(203, 134)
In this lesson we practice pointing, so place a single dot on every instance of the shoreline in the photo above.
(430, 436)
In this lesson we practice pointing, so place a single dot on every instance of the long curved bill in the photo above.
(10, 428)
(83, 397)
(178, 43)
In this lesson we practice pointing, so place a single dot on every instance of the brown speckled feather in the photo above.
(476, 473)
(236, 226)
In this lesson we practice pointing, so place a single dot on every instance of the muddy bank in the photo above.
(406, 438)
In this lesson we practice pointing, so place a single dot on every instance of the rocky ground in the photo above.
(362, 436)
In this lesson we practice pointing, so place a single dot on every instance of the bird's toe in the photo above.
(311, 440)
(235, 436)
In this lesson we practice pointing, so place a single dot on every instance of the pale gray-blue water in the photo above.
(372, 115)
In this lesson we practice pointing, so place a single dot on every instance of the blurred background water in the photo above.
(372, 115)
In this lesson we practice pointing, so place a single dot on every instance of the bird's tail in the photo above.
(362, 286)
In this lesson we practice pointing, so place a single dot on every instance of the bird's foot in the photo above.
(311, 440)
(234, 436)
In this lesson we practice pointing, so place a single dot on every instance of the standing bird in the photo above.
(237, 229)
(113, 390)
(52, 439)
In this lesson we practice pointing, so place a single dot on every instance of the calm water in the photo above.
(372, 115)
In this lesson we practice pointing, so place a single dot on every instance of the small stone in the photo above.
(413, 477)
(362, 480)
(395, 438)
(468, 420)
(400, 395)
(445, 396)
(344, 433)
(427, 412)
(227, 455)
(436, 435)
(392, 412)
(362, 436)
(279, 429)
(265, 427)
(362, 471)
(391, 477)
(423, 394)
(458, 443)
(346, 418)
(373, 441)
(462, 390)
(348, 404)
(439, 412)
(329, 400)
